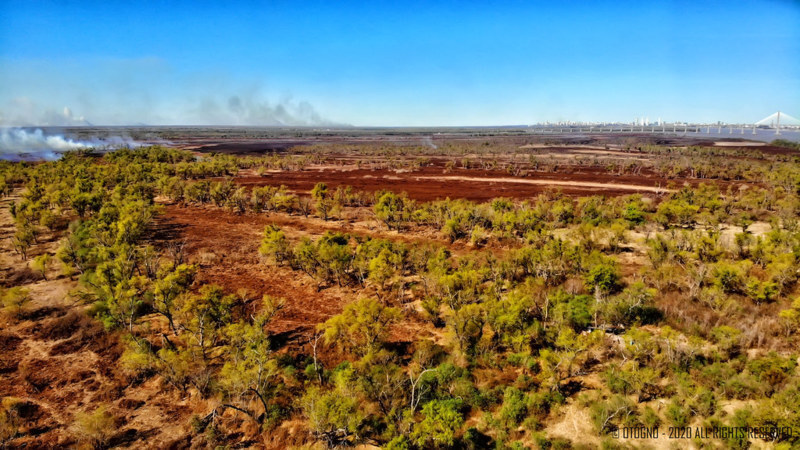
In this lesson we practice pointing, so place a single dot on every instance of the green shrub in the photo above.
(609, 414)
(649, 418)
(604, 277)
(441, 421)
(678, 413)
(14, 300)
(515, 407)
(94, 427)
(10, 419)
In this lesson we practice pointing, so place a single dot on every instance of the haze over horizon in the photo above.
(381, 64)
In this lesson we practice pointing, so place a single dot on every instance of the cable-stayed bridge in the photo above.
(777, 123)
(774, 121)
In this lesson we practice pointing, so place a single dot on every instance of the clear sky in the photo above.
(396, 63)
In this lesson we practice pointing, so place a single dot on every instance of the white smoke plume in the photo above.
(429, 142)
(23, 144)
(24, 112)
(253, 110)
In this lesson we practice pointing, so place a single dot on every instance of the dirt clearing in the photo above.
(575, 184)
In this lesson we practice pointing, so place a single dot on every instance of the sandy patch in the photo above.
(580, 184)
(603, 152)
(739, 144)
(574, 424)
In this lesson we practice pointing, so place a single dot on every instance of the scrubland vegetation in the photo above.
(465, 324)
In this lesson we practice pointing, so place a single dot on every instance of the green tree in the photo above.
(221, 191)
(391, 210)
(362, 327)
(324, 200)
(22, 240)
(442, 419)
(634, 211)
(333, 415)
(603, 278)
(791, 317)
(335, 256)
(168, 287)
(466, 324)
(382, 381)
(383, 267)
(608, 415)
(41, 263)
(515, 406)
(250, 369)
(203, 315)
(275, 245)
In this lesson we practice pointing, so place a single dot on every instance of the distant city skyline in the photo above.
(386, 64)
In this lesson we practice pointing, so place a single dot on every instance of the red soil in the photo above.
(431, 183)
(225, 246)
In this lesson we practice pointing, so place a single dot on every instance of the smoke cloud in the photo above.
(253, 111)
(249, 109)
(22, 111)
(22, 144)
(429, 142)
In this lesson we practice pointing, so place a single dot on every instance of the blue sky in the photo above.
(396, 63)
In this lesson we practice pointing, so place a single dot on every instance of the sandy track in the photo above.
(739, 144)
(436, 183)
(576, 184)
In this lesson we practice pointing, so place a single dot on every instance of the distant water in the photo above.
(761, 134)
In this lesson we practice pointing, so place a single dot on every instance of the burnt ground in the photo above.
(435, 182)
(225, 247)
(258, 148)
(60, 362)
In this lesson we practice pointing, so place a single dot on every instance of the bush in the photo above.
(772, 370)
(729, 277)
(332, 416)
(95, 428)
(391, 209)
(14, 300)
(603, 277)
(361, 327)
(634, 306)
(728, 339)
(705, 402)
(608, 415)
(791, 317)
(324, 201)
(762, 291)
(398, 443)
(573, 310)
(515, 407)
(10, 419)
(41, 263)
(634, 212)
(474, 439)
(274, 245)
(442, 419)
(678, 413)
(649, 418)
(741, 419)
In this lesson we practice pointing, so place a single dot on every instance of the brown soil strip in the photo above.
(434, 183)
(581, 184)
